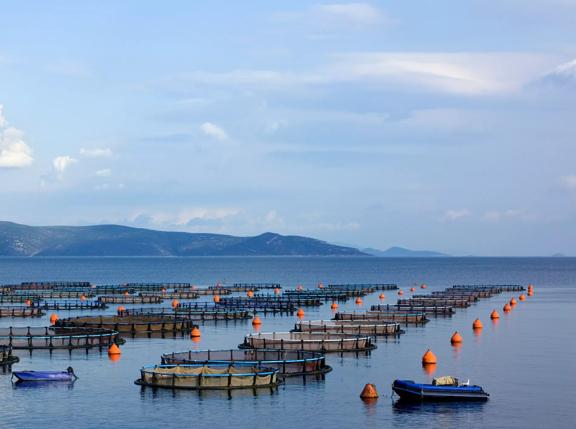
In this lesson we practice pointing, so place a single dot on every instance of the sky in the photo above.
(442, 125)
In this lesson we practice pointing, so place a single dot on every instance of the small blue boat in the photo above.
(438, 391)
(28, 376)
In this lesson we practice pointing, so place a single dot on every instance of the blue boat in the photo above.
(34, 376)
(439, 390)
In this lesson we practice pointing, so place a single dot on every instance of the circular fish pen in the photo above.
(308, 341)
(377, 316)
(190, 313)
(208, 377)
(55, 338)
(359, 327)
(289, 363)
(133, 325)
(70, 305)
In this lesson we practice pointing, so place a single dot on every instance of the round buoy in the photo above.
(300, 313)
(195, 332)
(507, 308)
(82, 298)
(358, 301)
(412, 289)
(530, 293)
(299, 288)
(250, 294)
(513, 302)
(522, 297)
(126, 293)
(400, 292)
(53, 318)
(382, 296)
(455, 339)
(114, 349)
(216, 299)
(28, 302)
(175, 303)
(423, 286)
(369, 392)
(320, 285)
(334, 306)
(256, 321)
(120, 309)
(429, 358)
(477, 324)
(276, 291)
(494, 315)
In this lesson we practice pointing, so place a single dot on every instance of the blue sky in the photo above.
(443, 125)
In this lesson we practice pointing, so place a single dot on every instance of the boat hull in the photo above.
(43, 376)
(410, 391)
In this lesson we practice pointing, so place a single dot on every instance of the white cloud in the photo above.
(103, 152)
(61, 163)
(105, 172)
(454, 215)
(14, 152)
(569, 181)
(357, 14)
(462, 73)
(213, 131)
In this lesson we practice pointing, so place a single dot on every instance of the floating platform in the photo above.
(208, 377)
(130, 299)
(289, 363)
(21, 312)
(381, 316)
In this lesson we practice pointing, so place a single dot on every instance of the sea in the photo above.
(526, 361)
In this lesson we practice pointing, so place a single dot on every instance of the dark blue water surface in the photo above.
(526, 361)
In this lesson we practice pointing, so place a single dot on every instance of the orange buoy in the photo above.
(423, 286)
(530, 293)
(358, 301)
(28, 302)
(400, 292)
(53, 318)
(175, 303)
(300, 313)
(456, 338)
(299, 287)
(195, 332)
(256, 321)
(334, 306)
(477, 324)
(530, 287)
(249, 294)
(320, 285)
(114, 350)
(82, 298)
(522, 297)
(513, 302)
(120, 309)
(494, 315)
(507, 308)
(216, 299)
(382, 296)
(412, 289)
(369, 392)
(429, 358)
(276, 291)
(126, 293)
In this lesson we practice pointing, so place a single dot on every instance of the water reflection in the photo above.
(147, 393)
(43, 385)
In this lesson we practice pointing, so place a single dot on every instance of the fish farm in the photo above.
(55, 338)
(309, 341)
(132, 324)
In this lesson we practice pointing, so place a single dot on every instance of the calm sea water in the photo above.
(526, 361)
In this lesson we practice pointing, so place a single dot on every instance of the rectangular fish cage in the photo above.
(54, 338)
(142, 324)
(20, 312)
(355, 327)
(309, 341)
(404, 318)
(289, 363)
(208, 377)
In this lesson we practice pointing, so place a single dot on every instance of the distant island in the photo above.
(401, 252)
(118, 240)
